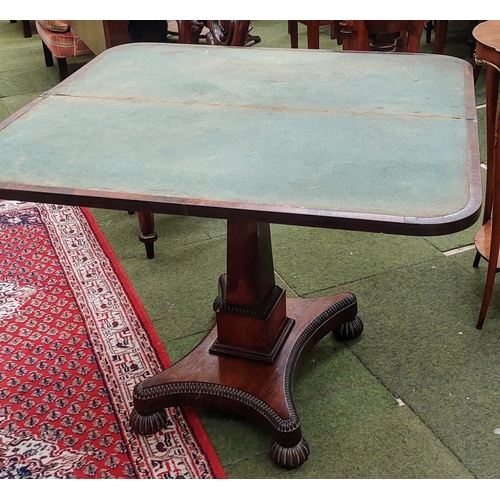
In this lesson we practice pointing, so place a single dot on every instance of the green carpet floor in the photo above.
(417, 396)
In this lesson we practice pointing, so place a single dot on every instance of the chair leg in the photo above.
(313, 36)
(337, 29)
(414, 35)
(189, 31)
(488, 290)
(49, 60)
(62, 65)
(429, 26)
(26, 29)
(440, 37)
(477, 258)
(148, 234)
(293, 30)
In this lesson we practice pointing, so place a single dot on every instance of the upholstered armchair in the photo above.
(60, 41)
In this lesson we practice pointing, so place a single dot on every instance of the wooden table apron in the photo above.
(358, 141)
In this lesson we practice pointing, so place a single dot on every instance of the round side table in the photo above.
(487, 239)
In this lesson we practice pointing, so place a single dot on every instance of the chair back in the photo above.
(227, 32)
(233, 33)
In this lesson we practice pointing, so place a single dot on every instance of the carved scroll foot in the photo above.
(290, 458)
(147, 424)
(349, 331)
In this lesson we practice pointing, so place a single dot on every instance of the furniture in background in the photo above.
(59, 41)
(312, 28)
(62, 39)
(383, 36)
(226, 26)
(235, 33)
(26, 28)
(378, 154)
(441, 30)
(401, 36)
(101, 35)
(487, 239)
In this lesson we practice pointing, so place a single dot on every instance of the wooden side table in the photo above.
(487, 239)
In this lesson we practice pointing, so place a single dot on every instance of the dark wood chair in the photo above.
(229, 33)
(312, 28)
(383, 36)
(487, 239)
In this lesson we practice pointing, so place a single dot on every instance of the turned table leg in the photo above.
(147, 233)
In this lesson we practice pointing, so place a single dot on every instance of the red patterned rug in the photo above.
(74, 341)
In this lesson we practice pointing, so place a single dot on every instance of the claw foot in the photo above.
(290, 458)
(147, 424)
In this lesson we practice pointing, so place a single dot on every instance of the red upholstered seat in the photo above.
(60, 41)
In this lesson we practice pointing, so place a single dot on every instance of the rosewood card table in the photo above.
(342, 140)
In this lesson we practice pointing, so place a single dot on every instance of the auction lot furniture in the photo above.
(384, 36)
(101, 35)
(26, 29)
(312, 28)
(487, 239)
(60, 41)
(340, 140)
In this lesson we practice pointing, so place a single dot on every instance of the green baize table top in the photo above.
(355, 135)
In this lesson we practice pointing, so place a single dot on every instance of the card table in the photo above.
(379, 142)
